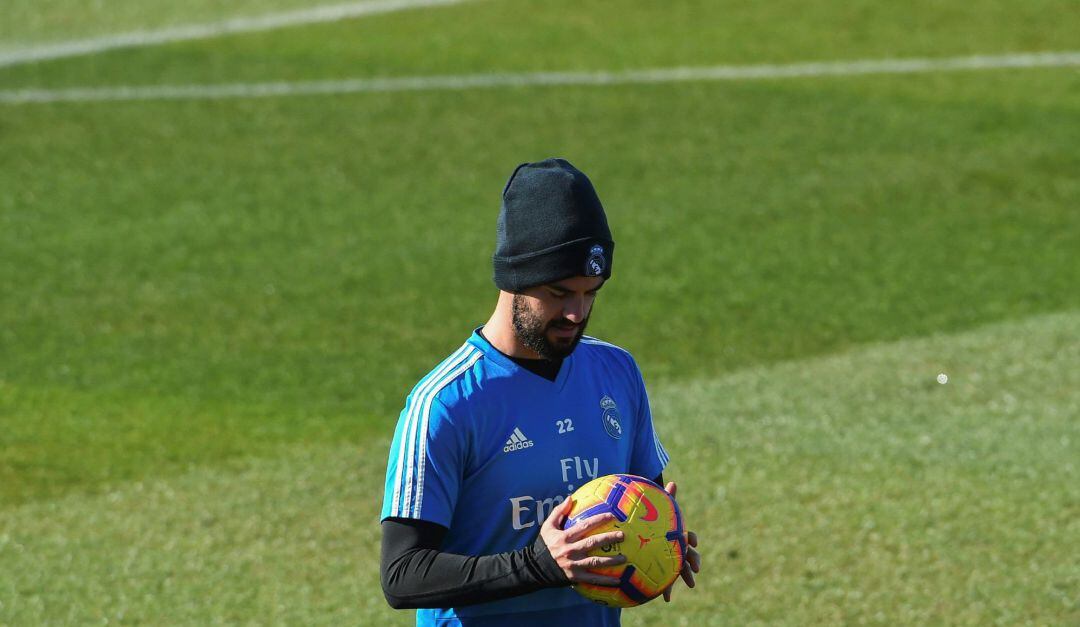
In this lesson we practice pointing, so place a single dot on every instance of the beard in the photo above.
(531, 330)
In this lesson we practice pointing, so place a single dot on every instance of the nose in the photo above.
(574, 309)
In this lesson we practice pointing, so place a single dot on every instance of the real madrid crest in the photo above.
(610, 417)
(594, 264)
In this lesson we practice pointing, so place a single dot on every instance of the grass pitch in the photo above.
(213, 310)
(851, 488)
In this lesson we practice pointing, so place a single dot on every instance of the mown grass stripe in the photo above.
(543, 79)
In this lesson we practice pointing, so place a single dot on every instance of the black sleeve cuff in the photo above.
(547, 570)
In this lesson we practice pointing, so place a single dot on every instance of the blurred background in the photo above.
(234, 234)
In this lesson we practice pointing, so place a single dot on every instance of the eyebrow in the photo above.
(559, 288)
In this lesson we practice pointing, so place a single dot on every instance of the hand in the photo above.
(692, 563)
(571, 547)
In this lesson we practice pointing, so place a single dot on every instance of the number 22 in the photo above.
(565, 426)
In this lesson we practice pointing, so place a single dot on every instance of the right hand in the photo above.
(570, 547)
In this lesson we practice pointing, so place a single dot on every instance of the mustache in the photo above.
(563, 324)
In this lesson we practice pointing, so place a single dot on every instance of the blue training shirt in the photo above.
(487, 448)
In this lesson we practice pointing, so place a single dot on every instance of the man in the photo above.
(493, 440)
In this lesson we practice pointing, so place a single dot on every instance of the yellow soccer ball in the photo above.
(654, 538)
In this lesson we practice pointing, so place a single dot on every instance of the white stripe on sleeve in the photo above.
(407, 432)
(422, 454)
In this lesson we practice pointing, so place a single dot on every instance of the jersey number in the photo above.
(565, 426)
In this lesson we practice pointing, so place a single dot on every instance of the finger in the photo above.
(670, 488)
(667, 595)
(584, 526)
(593, 562)
(596, 580)
(600, 539)
(691, 538)
(694, 559)
(688, 576)
(559, 513)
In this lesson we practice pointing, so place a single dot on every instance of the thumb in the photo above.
(558, 514)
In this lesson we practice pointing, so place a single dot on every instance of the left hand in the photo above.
(692, 563)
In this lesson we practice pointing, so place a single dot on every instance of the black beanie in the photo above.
(551, 227)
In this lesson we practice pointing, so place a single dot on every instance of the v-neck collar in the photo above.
(503, 360)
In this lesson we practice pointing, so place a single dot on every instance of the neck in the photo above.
(499, 330)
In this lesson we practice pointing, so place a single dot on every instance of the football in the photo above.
(654, 542)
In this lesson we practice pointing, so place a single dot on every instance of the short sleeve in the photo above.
(648, 457)
(424, 471)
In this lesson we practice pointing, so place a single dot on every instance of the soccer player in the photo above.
(493, 440)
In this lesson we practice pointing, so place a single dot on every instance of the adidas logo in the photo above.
(517, 441)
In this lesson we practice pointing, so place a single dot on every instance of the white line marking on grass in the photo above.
(477, 81)
(313, 15)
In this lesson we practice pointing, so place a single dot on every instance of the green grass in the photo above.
(211, 311)
(29, 22)
(842, 489)
(314, 260)
(527, 35)
(855, 488)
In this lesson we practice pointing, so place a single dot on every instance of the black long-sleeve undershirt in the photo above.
(415, 573)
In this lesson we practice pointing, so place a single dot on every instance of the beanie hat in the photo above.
(551, 227)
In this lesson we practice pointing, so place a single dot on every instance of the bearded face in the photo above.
(550, 337)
